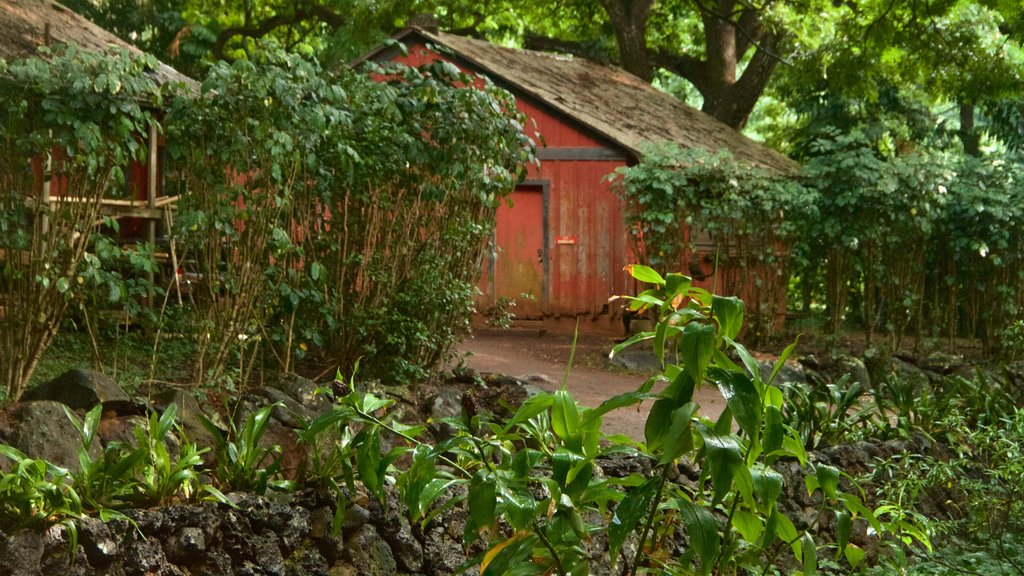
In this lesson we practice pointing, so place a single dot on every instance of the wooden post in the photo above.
(151, 182)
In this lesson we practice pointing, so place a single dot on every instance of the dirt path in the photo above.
(542, 359)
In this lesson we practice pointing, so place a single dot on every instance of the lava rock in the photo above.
(79, 390)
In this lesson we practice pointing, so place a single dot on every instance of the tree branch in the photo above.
(316, 12)
(693, 69)
(588, 50)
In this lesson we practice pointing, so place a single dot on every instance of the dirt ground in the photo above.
(541, 359)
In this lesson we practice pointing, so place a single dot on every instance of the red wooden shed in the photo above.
(562, 242)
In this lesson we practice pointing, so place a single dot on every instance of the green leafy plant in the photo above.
(163, 477)
(34, 492)
(689, 205)
(144, 474)
(825, 414)
(73, 123)
(244, 462)
(106, 483)
(532, 493)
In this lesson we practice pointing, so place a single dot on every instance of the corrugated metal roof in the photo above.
(23, 29)
(606, 99)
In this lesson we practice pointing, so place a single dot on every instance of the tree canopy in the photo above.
(729, 57)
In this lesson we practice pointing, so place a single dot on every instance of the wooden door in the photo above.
(519, 267)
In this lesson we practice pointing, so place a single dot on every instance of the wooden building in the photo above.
(563, 240)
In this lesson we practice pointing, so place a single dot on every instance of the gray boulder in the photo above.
(42, 430)
(79, 389)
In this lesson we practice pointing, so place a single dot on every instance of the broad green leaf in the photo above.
(729, 313)
(511, 557)
(677, 284)
(742, 397)
(810, 555)
(722, 459)
(771, 440)
(749, 362)
(638, 337)
(784, 527)
(681, 386)
(634, 506)
(679, 439)
(658, 344)
(767, 484)
(844, 526)
(530, 408)
(481, 502)
(828, 479)
(791, 442)
(430, 493)
(749, 525)
(702, 528)
(855, 505)
(368, 462)
(659, 420)
(613, 403)
(565, 418)
(645, 274)
(520, 505)
(854, 555)
(562, 462)
(696, 346)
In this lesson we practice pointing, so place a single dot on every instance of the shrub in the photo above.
(71, 124)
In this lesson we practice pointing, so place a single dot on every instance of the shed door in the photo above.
(520, 265)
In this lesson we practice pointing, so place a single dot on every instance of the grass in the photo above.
(126, 357)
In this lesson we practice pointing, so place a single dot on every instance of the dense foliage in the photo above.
(744, 219)
(344, 215)
(71, 125)
(898, 242)
(530, 484)
(332, 215)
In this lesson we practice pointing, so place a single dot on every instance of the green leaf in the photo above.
(520, 507)
(723, 458)
(565, 419)
(784, 526)
(729, 313)
(742, 397)
(696, 347)
(828, 479)
(659, 420)
(532, 407)
(795, 447)
(613, 403)
(749, 525)
(702, 529)
(634, 506)
(773, 429)
(782, 360)
(677, 284)
(481, 502)
(430, 493)
(854, 555)
(679, 439)
(810, 555)
(844, 526)
(645, 274)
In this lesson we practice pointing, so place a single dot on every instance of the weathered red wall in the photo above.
(581, 207)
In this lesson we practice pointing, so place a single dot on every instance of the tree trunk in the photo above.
(629, 19)
(968, 135)
(727, 40)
